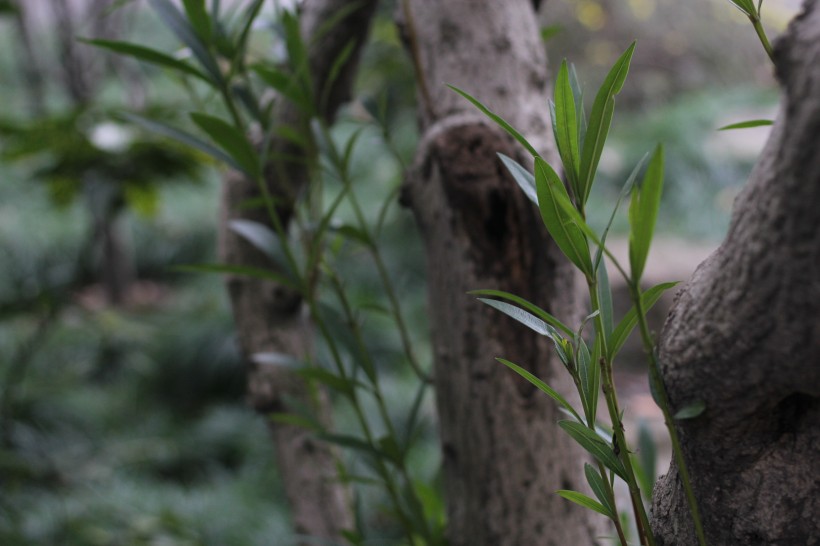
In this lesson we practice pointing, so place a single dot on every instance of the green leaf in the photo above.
(690, 411)
(198, 17)
(230, 139)
(183, 30)
(244, 271)
(329, 379)
(498, 120)
(581, 120)
(284, 84)
(530, 321)
(600, 119)
(532, 308)
(188, 139)
(643, 213)
(264, 239)
(746, 6)
(524, 179)
(605, 299)
(351, 442)
(296, 421)
(583, 500)
(747, 124)
(550, 32)
(595, 445)
(598, 486)
(565, 127)
(552, 393)
(589, 378)
(148, 55)
(647, 459)
(564, 231)
(628, 322)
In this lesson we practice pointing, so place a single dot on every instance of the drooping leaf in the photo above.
(747, 124)
(690, 411)
(565, 127)
(188, 139)
(563, 229)
(628, 322)
(527, 319)
(148, 55)
(264, 239)
(595, 445)
(600, 120)
(242, 270)
(179, 25)
(230, 139)
(524, 179)
(498, 120)
(198, 18)
(532, 308)
(583, 500)
(598, 486)
(294, 420)
(543, 387)
(643, 213)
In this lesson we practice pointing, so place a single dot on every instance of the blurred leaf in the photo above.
(524, 179)
(296, 421)
(283, 83)
(242, 270)
(143, 199)
(628, 322)
(336, 68)
(183, 30)
(605, 299)
(564, 231)
(747, 124)
(599, 121)
(551, 31)
(532, 308)
(595, 445)
(198, 17)
(273, 358)
(647, 459)
(230, 139)
(351, 442)
(596, 483)
(188, 139)
(148, 55)
(251, 13)
(498, 120)
(583, 500)
(746, 6)
(690, 411)
(552, 393)
(264, 239)
(643, 212)
(565, 128)
(331, 380)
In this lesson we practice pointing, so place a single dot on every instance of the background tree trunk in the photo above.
(503, 454)
(744, 338)
(270, 317)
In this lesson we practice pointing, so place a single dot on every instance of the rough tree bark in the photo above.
(503, 455)
(744, 338)
(270, 317)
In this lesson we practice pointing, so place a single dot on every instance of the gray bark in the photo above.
(270, 317)
(744, 338)
(503, 455)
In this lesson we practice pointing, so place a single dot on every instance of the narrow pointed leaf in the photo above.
(583, 500)
(643, 213)
(524, 179)
(148, 55)
(589, 379)
(565, 126)
(498, 120)
(581, 120)
(598, 486)
(198, 17)
(296, 421)
(747, 124)
(245, 271)
(188, 139)
(628, 322)
(230, 139)
(605, 299)
(595, 445)
(543, 387)
(564, 231)
(532, 308)
(746, 6)
(600, 119)
(690, 411)
(183, 30)
(527, 319)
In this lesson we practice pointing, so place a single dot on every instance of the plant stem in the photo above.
(660, 391)
(608, 386)
(761, 33)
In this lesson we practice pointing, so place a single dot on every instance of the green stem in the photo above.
(761, 33)
(663, 399)
(642, 521)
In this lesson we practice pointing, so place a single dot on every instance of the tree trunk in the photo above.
(270, 317)
(744, 338)
(503, 454)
